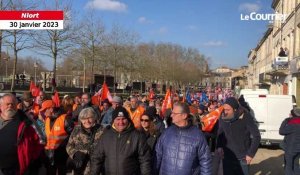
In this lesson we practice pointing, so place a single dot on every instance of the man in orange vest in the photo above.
(135, 111)
(57, 128)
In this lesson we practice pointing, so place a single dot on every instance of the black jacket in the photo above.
(151, 138)
(238, 137)
(124, 153)
(290, 128)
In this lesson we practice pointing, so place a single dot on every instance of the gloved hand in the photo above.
(50, 156)
(79, 158)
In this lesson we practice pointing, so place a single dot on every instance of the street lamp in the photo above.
(35, 65)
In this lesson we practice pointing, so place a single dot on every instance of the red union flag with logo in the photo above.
(31, 20)
(208, 121)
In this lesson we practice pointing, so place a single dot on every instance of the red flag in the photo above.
(167, 103)
(56, 99)
(151, 94)
(96, 99)
(105, 93)
(35, 91)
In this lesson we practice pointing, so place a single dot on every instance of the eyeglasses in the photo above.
(145, 120)
(175, 113)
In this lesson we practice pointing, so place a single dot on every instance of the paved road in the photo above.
(268, 161)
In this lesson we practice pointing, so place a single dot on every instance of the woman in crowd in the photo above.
(148, 127)
(67, 105)
(82, 141)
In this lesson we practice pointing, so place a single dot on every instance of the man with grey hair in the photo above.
(182, 148)
(20, 137)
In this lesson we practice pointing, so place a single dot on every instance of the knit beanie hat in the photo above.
(120, 112)
(231, 101)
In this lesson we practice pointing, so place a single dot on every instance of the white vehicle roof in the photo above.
(254, 92)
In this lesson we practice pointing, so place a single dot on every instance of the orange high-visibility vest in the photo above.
(57, 134)
(136, 116)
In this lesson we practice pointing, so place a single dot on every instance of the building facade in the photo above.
(278, 73)
(220, 77)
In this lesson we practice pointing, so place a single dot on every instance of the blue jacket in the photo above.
(107, 118)
(182, 151)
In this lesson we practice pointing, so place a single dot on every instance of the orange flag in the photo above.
(56, 99)
(208, 121)
(167, 103)
(35, 91)
(105, 93)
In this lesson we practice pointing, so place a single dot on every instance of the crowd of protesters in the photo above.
(127, 136)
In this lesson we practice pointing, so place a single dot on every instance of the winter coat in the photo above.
(290, 128)
(24, 146)
(83, 141)
(124, 153)
(182, 151)
(239, 136)
(29, 147)
(151, 138)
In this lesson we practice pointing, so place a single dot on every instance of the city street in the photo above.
(268, 161)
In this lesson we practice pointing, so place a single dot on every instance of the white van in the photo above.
(254, 91)
(269, 111)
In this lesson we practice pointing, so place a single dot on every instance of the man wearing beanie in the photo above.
(121, 149)
(238, 138)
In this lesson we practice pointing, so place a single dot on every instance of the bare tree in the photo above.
(3, 6)
(90, 37)
(17, 40)
(55, 43)
(117, 41)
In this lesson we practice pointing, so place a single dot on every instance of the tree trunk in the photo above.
(93, 62)
(1, 45)
(53, 81)
(54, 51)
(84, 75)
(12, 88)
(115, 74)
